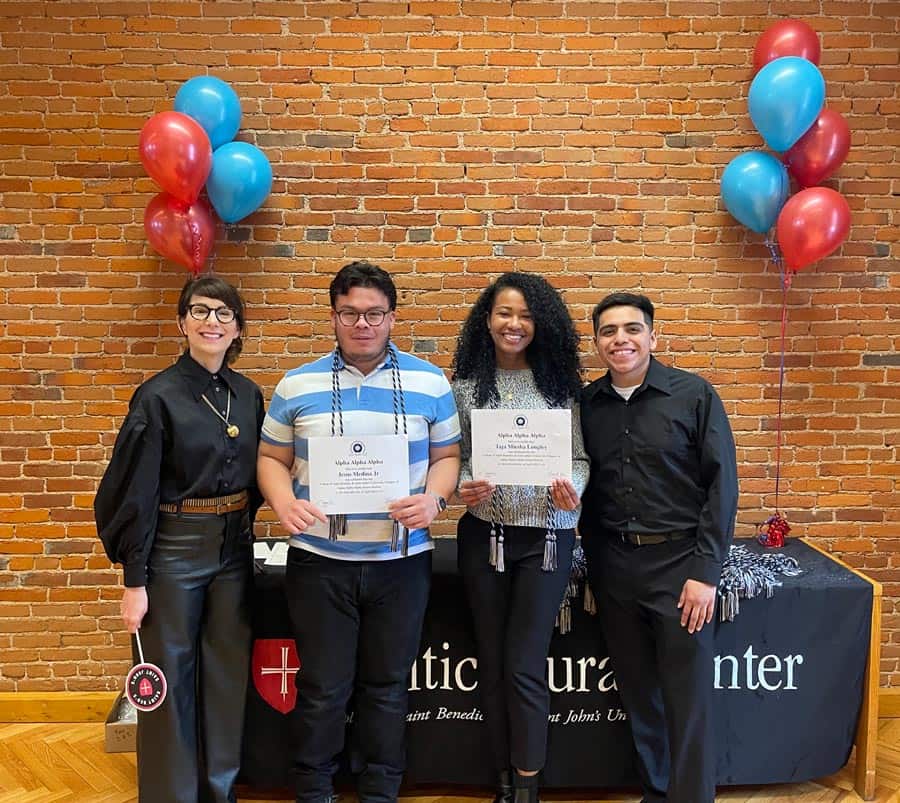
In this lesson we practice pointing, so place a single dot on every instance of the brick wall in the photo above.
(449, 142)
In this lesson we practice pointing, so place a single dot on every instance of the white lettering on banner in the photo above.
(443, 678)
(597, 715)
(418, 716)
(568, 682)
(568, 675)
(756, 676)
(448, 713)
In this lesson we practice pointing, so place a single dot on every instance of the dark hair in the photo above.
(643, 303)
(552, 354)
(219, 289)
(362, 274)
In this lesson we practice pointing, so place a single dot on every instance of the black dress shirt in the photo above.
(663, 461)
(171, 447)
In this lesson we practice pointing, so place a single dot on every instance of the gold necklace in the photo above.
(232, 430)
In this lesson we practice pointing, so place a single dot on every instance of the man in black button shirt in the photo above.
(657, 520)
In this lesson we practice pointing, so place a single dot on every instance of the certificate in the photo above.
(521, 447)
(358, 474)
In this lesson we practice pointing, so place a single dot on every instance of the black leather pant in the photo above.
(513, 614)
(197, 630)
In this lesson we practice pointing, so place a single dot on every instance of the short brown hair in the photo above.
(214, 287)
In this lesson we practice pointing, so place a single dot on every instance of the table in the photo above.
(795, 681)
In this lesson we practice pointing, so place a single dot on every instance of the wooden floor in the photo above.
(61, 762)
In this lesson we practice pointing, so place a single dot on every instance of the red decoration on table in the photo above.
(773, 531)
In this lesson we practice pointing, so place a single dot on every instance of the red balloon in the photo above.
(820, 151)
(181, 232)
(176, 154)
(811, 225)
(786, 38)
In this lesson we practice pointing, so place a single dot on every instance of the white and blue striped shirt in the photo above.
(301, 408)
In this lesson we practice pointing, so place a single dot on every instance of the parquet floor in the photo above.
(63, 762)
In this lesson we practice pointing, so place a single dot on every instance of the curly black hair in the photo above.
(552, 354)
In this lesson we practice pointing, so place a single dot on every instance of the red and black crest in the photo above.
(145, 687)
(275, 662)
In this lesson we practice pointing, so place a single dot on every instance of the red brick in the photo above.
(581, 140)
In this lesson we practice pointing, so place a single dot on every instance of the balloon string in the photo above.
(196, 242)
(785, 286)
(213, 251)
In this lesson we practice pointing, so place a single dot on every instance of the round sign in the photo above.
(145, 687)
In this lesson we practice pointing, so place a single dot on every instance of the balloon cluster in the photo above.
(786, 102)
(189, 148)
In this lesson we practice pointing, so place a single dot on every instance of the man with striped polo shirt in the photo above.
(357, 585)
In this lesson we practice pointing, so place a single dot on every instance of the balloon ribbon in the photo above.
(773, 530)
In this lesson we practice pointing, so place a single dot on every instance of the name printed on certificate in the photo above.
(521, 447)
(360, 474)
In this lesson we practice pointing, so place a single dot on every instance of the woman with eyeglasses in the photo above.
(175, 508)
(518, 349)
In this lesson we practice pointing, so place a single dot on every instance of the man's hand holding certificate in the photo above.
(361, 474)
(521, 447)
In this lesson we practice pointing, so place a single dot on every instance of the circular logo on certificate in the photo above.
(521, 421)
(145, 687)
(357, 448)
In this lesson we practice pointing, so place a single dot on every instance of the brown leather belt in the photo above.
(647, 539)
(216, 504)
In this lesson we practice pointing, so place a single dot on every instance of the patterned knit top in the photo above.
(523, 505)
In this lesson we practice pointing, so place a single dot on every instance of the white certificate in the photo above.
(359, 474)
(521, 447)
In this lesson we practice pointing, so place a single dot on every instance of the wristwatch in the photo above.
(441, 502)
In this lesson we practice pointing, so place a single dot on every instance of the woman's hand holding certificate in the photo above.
(522, 447)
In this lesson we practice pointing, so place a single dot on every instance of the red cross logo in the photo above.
(275, 662)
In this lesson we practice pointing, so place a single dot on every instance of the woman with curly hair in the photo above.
(518, 349)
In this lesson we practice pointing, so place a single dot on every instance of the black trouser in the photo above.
(664, 674)
(197, 630)
(357, 625)
(514, 614)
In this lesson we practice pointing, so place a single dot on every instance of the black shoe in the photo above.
(526, 788)
(505, 790)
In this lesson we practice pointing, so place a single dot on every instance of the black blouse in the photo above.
(171, 447)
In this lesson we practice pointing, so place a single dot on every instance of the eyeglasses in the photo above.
(349, 317)
(200, 312)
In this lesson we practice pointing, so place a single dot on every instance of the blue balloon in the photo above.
(785, 99)
(213, 104)
(240, 180)
(755, 186)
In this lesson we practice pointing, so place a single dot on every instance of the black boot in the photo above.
(504, 788)
(526, 788)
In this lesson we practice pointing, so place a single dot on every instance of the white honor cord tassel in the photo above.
(137, 635)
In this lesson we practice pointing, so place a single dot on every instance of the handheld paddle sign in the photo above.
(145, 684)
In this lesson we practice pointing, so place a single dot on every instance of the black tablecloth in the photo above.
(789, 679)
